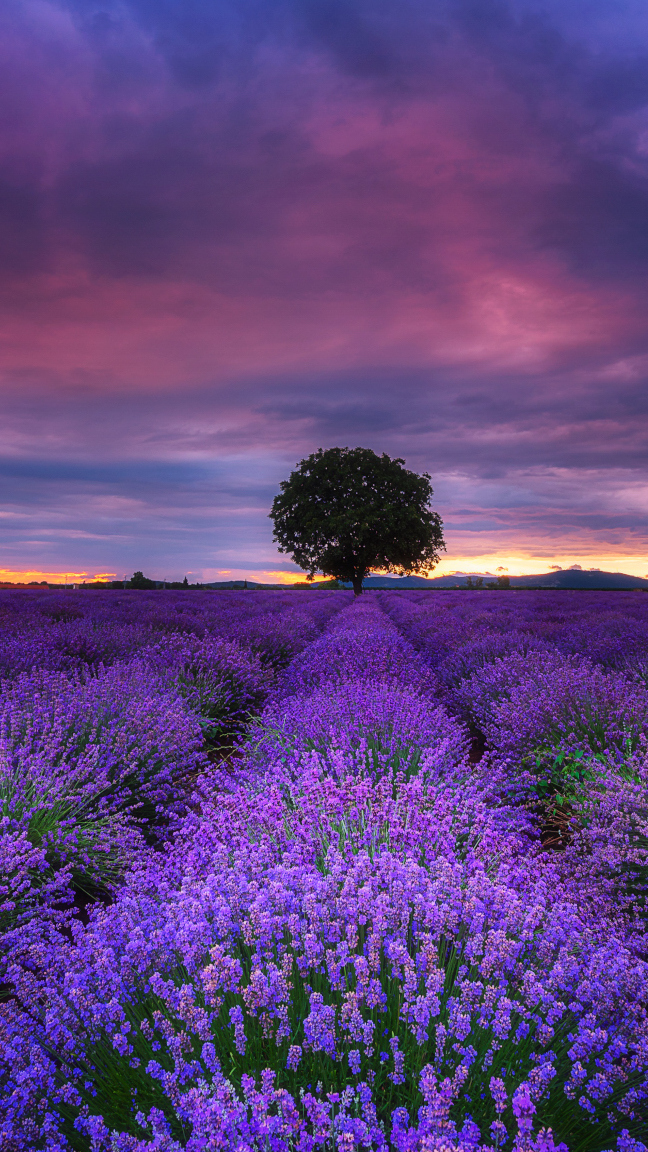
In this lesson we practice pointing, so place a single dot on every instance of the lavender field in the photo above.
(297, 871)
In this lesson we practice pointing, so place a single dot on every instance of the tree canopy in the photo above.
(346, 511)
(139, 580)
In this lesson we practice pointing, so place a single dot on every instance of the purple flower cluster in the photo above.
(62, 631)
(359, 644)
(548, 698)
(87, 762)
(460, 631)
(97, 757)
(354, 937)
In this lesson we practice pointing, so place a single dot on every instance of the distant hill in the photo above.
(572, 578)
(569, 578)
(232, 584)
(566, 579)
(400, 582)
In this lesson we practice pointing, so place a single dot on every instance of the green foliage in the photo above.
(375, 754)
(70, 837)
(116, 1086)
(560, 772)
(346, 511)
(223, 705)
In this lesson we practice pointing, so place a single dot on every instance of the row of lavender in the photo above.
(555, 681)
(110, 706)
(354, 937)
(64, 631)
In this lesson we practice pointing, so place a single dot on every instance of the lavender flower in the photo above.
(351, 894)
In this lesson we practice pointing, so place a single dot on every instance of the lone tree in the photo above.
(345, 511)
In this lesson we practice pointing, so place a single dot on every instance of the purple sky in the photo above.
(234, 232)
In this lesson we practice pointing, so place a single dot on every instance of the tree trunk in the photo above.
(357, 585)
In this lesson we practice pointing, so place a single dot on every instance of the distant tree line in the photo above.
(143, 583)
(140, 581)
(478, 582)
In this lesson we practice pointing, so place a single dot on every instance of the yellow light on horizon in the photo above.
(12, 576)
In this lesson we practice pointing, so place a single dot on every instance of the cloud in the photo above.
(230, 234)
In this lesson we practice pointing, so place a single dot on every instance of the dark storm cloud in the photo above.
(599, 220)
(173, 184)
(172, 518)
(501, 424)
(22, 227)
(496, 423)
(192, 148)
